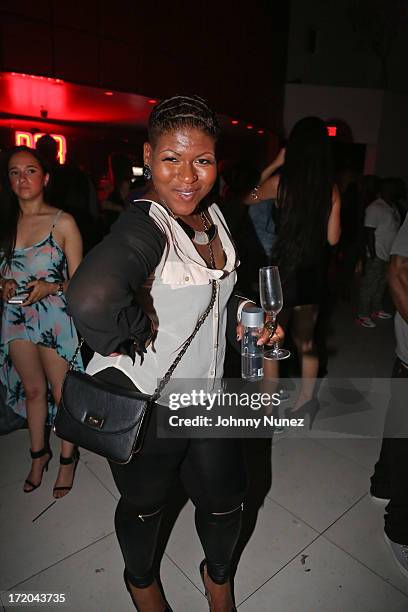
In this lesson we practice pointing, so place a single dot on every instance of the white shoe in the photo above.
(380, 501)
(365, 322)
(400, 554)
(381, 314)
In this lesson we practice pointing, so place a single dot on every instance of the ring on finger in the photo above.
(270, 326)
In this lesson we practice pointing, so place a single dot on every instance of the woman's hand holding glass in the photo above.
(268, 336)
(270, 292)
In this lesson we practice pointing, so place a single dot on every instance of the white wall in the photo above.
(342, 80)
(360, 109)
(376, 118)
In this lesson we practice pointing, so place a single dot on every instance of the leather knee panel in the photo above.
(219, 534)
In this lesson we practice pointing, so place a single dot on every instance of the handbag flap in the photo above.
(101, 406)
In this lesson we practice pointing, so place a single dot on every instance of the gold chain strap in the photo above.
(177, 360)
(185, 346)
(72, 363)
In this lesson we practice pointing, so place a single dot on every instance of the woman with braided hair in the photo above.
(141, 292)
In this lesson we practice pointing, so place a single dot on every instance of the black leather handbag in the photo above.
(108, 420)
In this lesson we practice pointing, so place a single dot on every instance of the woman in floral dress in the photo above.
(40, 249)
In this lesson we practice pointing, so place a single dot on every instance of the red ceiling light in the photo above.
(250, 126)
(152, 101)
(32, 95)
(234, 121)
(35, 77)
(108, 93)
(261, 131)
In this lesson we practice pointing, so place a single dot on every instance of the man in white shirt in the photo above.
(389, 483)
(382, 221)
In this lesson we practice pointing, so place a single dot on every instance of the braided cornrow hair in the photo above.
(181, 112)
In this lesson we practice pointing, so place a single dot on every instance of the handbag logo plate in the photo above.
(94, 421)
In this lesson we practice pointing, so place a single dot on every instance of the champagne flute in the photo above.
(270, 292)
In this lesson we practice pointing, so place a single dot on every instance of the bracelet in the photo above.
(240, 309)
(60, 290)
(254, 193)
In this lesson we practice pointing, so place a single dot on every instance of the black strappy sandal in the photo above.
(37, 455)
(67, 461)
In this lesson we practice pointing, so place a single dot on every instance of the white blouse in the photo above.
(174, 297)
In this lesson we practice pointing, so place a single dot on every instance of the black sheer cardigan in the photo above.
(101, 293)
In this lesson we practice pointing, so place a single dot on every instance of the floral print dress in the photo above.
(45, 322)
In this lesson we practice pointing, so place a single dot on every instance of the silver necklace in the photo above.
(204, 238)
(206, 228)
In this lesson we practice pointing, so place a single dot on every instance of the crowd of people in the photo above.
(172, 254)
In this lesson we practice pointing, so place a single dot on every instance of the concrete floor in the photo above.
(312, 540)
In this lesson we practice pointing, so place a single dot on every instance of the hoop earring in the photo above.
(147, 173)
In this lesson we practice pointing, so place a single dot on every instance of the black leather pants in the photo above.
(213, 472)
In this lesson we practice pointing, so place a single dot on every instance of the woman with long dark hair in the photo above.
(40, 249)
(308, 221)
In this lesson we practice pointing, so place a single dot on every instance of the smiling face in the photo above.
(27, 177)
(183, 168)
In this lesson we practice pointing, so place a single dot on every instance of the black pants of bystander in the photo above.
(390, 476)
